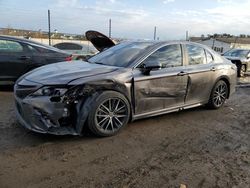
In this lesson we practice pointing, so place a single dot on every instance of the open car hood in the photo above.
(99, 40)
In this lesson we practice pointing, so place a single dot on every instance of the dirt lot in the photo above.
(198, 148)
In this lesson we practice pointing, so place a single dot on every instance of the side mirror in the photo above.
(149, 66)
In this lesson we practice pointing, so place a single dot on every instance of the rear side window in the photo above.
(44, 50)
(196, 55)
(10, 46)
(31, 48)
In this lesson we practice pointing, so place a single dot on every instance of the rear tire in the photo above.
(218, 95)
(109, 114)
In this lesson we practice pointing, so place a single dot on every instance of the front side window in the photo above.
(10, 46)
(196, 55)
(167, 56)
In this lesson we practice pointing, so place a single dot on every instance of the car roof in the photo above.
(31, 42)
(162, 43)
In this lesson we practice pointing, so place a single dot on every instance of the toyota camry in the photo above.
(126, 82)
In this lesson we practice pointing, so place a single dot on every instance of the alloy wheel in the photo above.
(220, 94)
(111, 115)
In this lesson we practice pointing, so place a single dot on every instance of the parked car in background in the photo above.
(78, 51)
(18, 56)
(241, 58)
(129, 81)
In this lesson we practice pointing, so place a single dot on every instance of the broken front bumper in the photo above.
(41, 115)
(36, 120)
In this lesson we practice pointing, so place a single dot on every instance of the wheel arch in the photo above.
(94, 90)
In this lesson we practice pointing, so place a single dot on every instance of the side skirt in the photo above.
(165, 111)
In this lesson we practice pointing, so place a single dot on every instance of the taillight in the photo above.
(69, 58)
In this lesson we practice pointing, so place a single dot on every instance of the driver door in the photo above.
(164, 88)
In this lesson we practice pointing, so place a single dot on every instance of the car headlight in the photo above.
(50, 91)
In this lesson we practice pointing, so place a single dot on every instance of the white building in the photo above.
(222, 45)
(216, 45)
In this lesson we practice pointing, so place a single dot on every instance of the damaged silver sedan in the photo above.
(128, 81)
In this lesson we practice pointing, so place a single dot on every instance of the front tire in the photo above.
(218, 95)
(109, 114)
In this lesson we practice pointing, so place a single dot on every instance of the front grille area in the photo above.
(22, 91)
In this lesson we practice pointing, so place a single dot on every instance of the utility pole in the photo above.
(155, 33)
(49, 27)
(187, 36)
(235, 41)
(213, 43)
(109, 28)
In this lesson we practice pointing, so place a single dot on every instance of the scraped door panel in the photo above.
(201, 80)
(160, 90)
(202, 74)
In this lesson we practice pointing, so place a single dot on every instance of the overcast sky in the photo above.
(130, 19)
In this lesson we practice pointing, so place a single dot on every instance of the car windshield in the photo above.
(237, 53)
(121, 55)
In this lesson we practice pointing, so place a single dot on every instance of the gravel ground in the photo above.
(197, 148)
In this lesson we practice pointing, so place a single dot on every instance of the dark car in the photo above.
(241, 58)
(18, 56)
(129, 81)
(79, 51)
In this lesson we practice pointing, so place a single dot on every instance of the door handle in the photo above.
(213, 69)
(24, 57)
(182, 73)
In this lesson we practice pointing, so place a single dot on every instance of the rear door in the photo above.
(14, 60)
(164, 88)
(201, 73)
